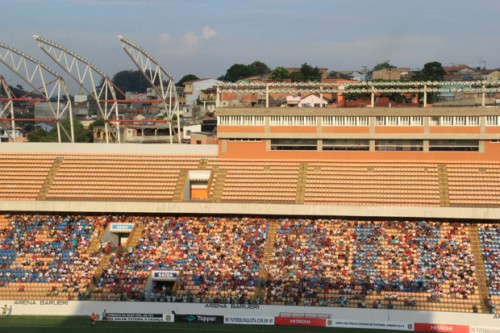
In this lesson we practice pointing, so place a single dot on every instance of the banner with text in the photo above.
(369, 325)
(165, 275)
(195, 318)
(300, 321)
(118, 228)
(134, 317)
(477, 329)
(249, 320)
(441, 328)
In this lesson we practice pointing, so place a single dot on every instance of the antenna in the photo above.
(483, 62)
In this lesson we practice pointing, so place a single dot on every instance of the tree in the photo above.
(130, 80)
(338, 75)
(81, 134)
(279, 73)
(383, 65)
(307, 73)
(259, 68)
(187, 78)
(239, 71)
(432, 71)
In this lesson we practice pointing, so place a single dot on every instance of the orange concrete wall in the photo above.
(492, 129)
(345, 129)
(399, 129)
(292, 129)
(241, 129)
(455, 129)
(250, 149)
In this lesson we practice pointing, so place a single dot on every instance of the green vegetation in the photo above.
(279, 73)
(383, 65)
(81, 134)
(307, 73)
(186, 78)
(130, 80)
(432, 71)
(239, 71)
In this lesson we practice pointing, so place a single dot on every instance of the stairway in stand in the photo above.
(179, 187)
(135, 235)
(301, 183)
(103, 263)
(94, 244)
(482, 285)
(42, 195)
(260, 290)
(4, 222)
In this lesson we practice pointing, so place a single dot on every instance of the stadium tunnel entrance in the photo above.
(162, 285)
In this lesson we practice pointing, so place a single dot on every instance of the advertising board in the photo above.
(300, 321)
(442, 328)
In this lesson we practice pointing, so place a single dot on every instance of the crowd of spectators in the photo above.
(490, 246)
(48, 249)
(325, 262)
(357, 258)
(217, 257)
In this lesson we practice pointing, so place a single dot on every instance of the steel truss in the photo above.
(34, 73)
(162, 82)
(89, 77)
(7, 107)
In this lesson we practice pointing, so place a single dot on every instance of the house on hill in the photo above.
(461, 72)
(391, 74)
(192, 89)
(304, 101)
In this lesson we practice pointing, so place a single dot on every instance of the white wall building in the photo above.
(192, 89)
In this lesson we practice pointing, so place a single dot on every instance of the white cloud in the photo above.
(208, 33)
(187, 45)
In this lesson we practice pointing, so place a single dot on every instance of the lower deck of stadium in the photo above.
(434, 265)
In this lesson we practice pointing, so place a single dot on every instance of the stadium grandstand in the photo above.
(398, 234)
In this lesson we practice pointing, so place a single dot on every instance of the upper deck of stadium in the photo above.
(194, 179)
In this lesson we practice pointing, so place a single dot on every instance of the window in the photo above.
(399, 145)
(346, 144)
(245, 140)
(292, 121)
(453, 145)
(346, 121)
(493, 121)
(455, 121)
(294, 144)
(399, 121)
(240, 120)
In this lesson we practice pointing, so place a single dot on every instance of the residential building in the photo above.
(192, 89)
(391, 74)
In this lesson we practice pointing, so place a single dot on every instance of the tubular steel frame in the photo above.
(154, 72)
(34, 72)
(86, 74)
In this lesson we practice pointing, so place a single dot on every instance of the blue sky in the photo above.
(205, 37)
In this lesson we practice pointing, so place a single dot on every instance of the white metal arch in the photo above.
(33, 72)
(156, 73)
(7, 107)
(88, 76)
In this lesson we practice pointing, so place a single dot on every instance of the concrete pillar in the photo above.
(267, 95)
(373, 97)
(425, 95)
(483, 97)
